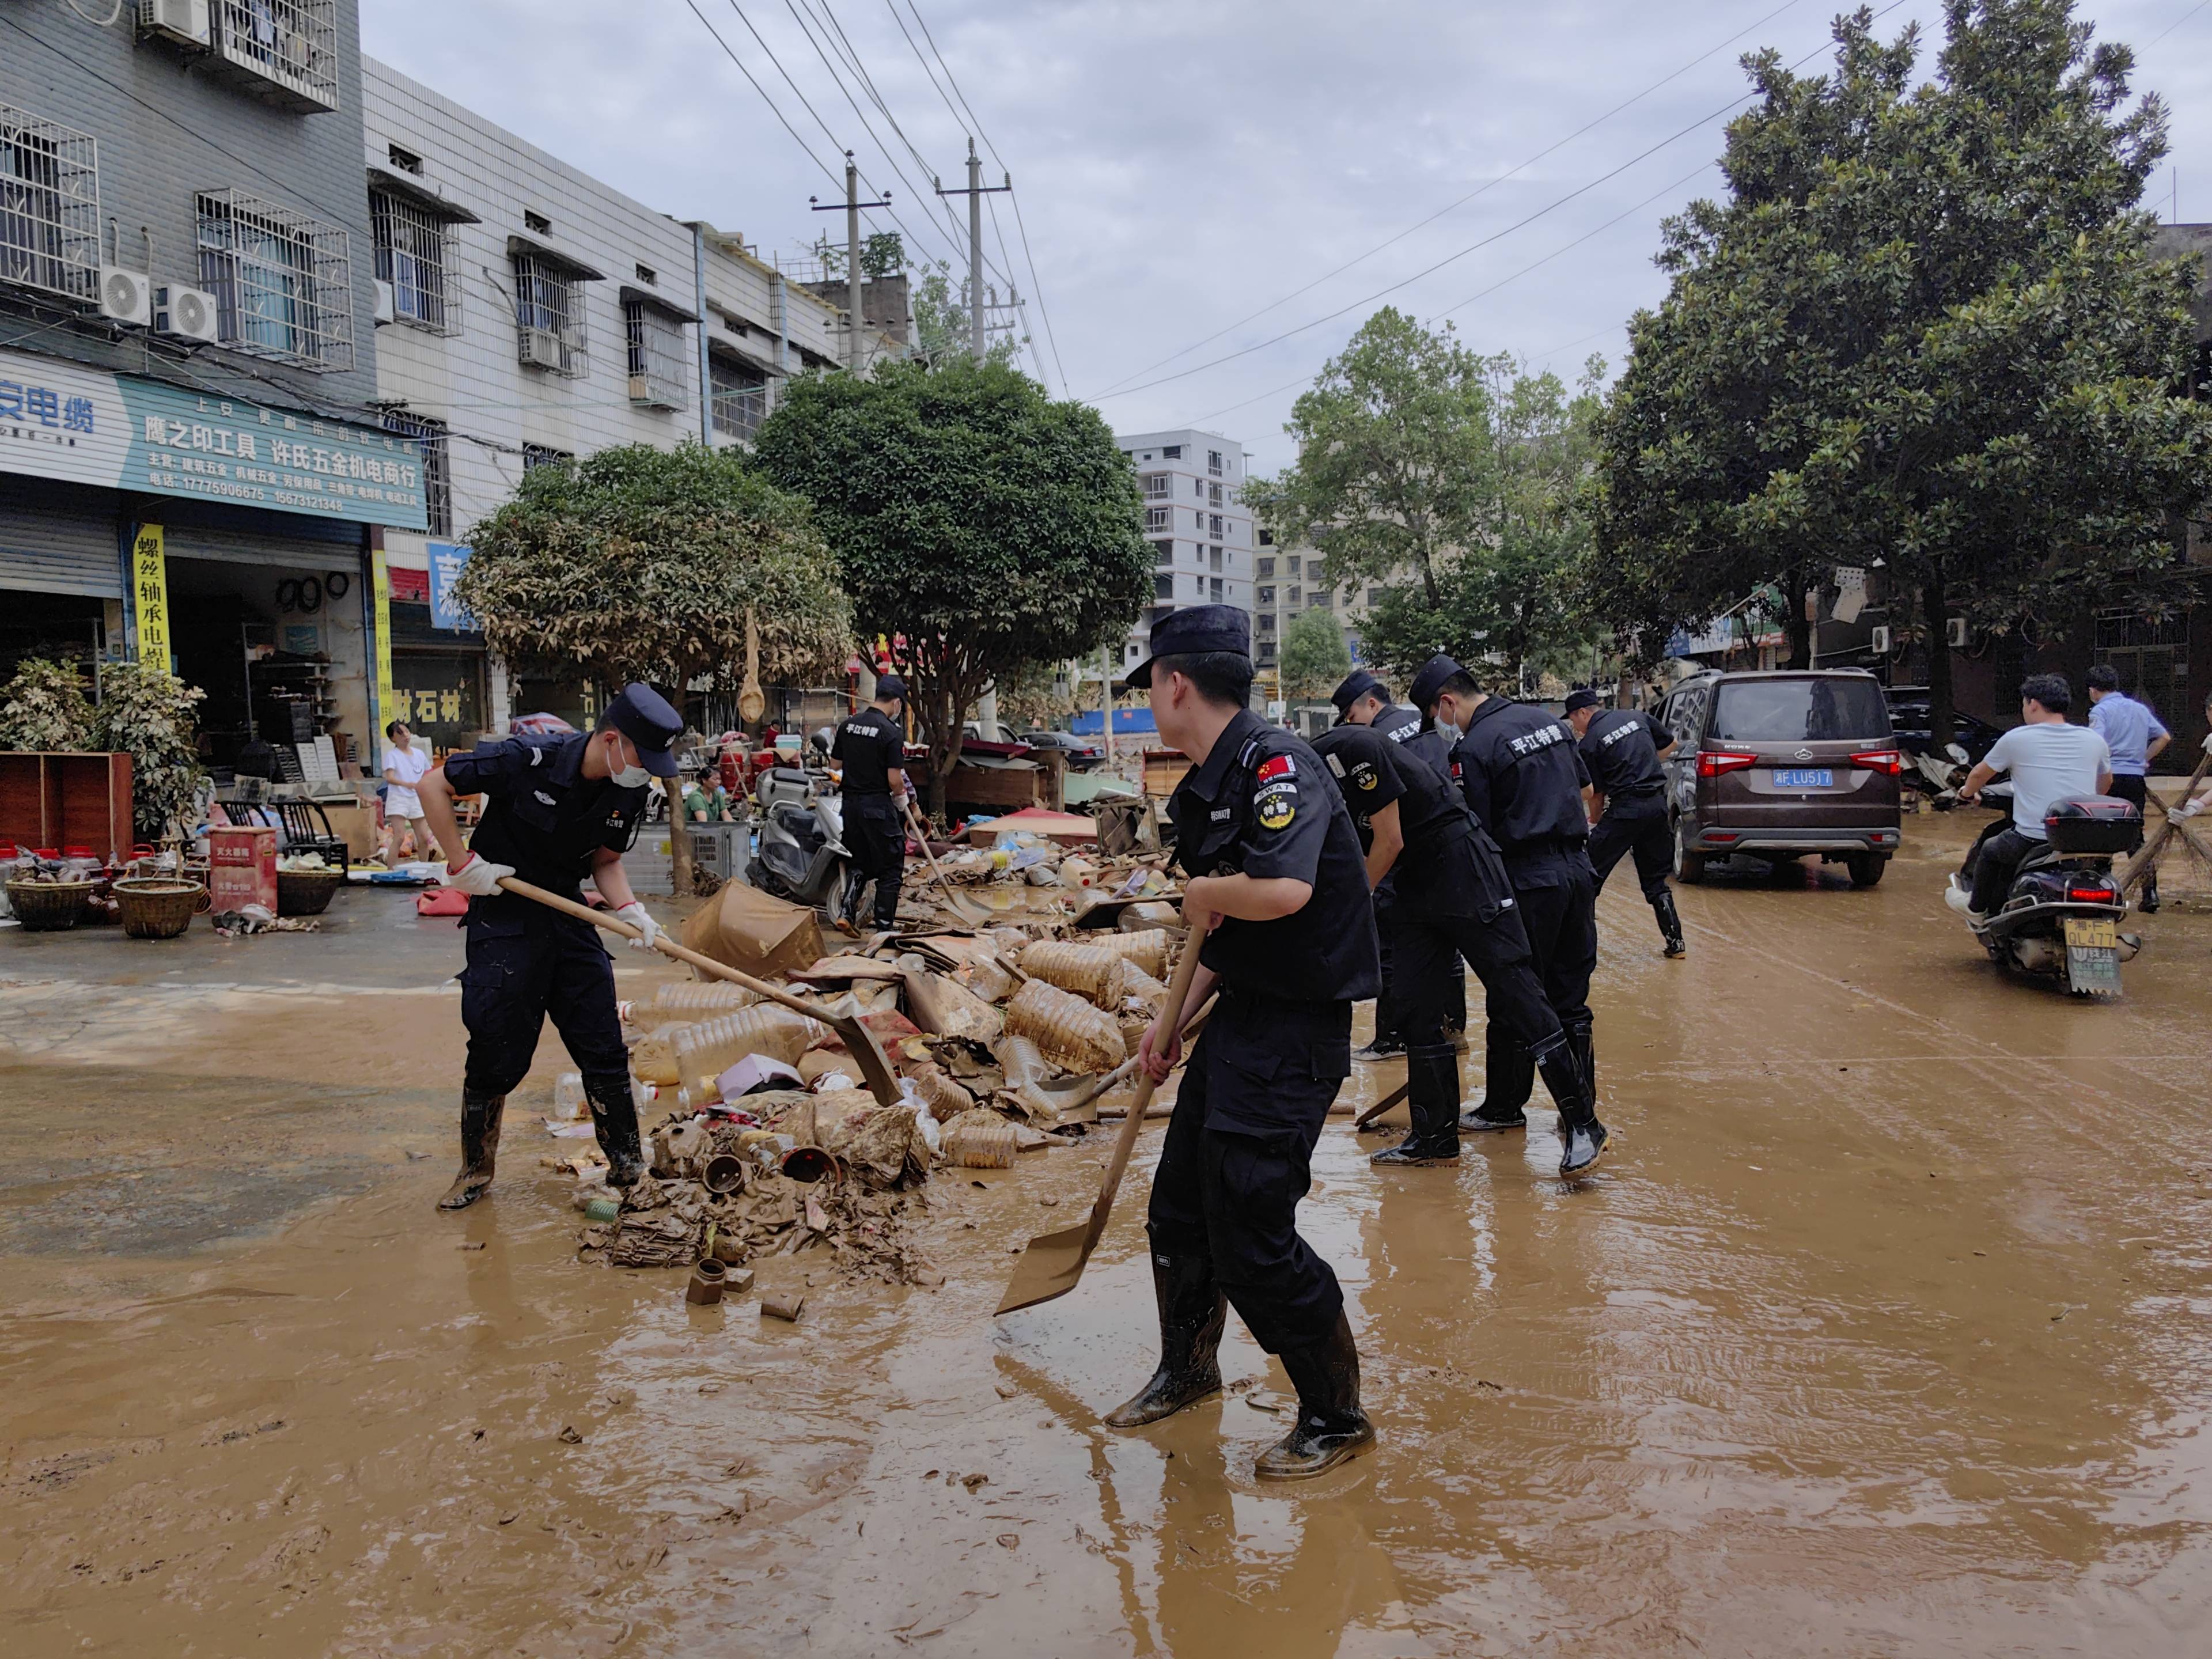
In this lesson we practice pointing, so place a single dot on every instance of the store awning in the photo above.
(417, 193)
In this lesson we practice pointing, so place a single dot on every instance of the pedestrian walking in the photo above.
(1454, 900)
(556, 810)
(1277, 904)
(403, 767)
(1621, 749)
(1524, 780)
(871, 746)
(2133, 734)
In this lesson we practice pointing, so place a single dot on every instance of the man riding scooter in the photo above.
(2048, 759)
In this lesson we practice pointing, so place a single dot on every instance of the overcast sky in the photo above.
(1182, 164)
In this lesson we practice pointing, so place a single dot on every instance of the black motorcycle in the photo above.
(2060, 917)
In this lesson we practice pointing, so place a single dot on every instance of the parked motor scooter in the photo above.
(2060, 917)
(801, 852)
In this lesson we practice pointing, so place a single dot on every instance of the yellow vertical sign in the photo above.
(387, 700)
(149, 594)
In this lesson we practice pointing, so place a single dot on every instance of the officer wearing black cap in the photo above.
(1621, 749)
(871, 748)
(1362, 700)
(555, 811)
(1454, 898)
(1277, 903)
(1523, 778)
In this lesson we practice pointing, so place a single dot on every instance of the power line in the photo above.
(2177, 24)
(1452, 207)
(764, 98)
(1037, 288)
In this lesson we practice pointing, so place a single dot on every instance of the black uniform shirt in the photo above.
(1373, 771)
(541, 814)
(1524, 780)
(870, 745)
(1620, 750)
(1264, 805)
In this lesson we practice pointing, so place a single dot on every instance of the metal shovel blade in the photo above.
(1051, 1266)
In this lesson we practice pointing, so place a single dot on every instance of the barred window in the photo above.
(430, 439)
(49, 206)
(287, 49)
(549, 314)
(536, 455)
(282, 281)
(656, 377)
(413, 253)
(740, 395)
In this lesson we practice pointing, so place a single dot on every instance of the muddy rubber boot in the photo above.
(480, 1117)
(1508, 1076)
(614, 1121)
(1331, 1427)
(1670, 925)
(1585, 1058)
(1581, 1137)
(1193, 1312)
(2148, 903)
(1432, 1101)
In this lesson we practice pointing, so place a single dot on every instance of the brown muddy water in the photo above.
(1884, 1330)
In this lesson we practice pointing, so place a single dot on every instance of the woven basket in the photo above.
(158, 907)
(48, 907)
(306, 892)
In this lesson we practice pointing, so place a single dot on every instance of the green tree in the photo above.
(643, 563)
(148, 713)
(1925, 327)
(1314, 656)
(941, 325)
(983, 526)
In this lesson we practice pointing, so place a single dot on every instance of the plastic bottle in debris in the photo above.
(711, 1047)
(568, 1097)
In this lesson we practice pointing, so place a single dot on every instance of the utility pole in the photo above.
(975, 192)
(853, 206)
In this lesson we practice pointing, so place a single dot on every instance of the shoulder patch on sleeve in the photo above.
(1334, 763)
(537, 755)
(1278, 809)
(1278, 766)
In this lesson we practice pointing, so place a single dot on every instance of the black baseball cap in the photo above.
(889, 686)
(1358, 684)
(1430, 681)
(643, 715)
(1581, 697)
(1201, 629)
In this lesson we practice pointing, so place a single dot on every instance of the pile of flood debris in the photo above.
(1006, 1039)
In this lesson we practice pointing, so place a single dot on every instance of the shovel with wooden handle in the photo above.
(2140, 865)
(1053, 1261)
(1384, 1104)
(959, 906)
(859, 1040)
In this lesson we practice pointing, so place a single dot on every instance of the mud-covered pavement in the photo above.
(1884, 1329)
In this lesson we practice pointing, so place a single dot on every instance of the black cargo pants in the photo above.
(1457, 903)
(1637, 826)
(524, 964)
(875, 835)
(1557, 896)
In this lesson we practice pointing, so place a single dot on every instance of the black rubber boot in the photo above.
(1386, 1040)
(1581, 1137)
(887, 898)
(1508, 1077)
(1331, 1427)
(1670, 925)
(1585, 1058)
(2149, 902)
(1193, 1311)
(1432, 1101)
(614, 1120)
(480, 1117)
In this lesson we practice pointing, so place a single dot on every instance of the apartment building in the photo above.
(1286, 583)
(1196, 521)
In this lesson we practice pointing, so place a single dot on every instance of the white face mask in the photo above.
(625, 777)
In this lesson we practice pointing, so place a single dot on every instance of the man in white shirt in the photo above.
(2048, 759)
(403, 767)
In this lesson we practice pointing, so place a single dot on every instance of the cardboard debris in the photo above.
(744, 928)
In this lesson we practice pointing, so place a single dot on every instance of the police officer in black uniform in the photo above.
(1362, 700)
(555, 811)
(1524, 780)
(1277, 902)
(1454, 898)
(1621, 749)
(871, 748)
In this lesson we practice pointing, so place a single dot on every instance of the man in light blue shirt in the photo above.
(2134, 735)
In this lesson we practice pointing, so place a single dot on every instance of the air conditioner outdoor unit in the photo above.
(126, 296)
(385, 309)
(182, 20)
(1880, 643)
(1955, 633)
(541, 348)
(188, 313)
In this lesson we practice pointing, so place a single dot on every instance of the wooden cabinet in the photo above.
(66, 801)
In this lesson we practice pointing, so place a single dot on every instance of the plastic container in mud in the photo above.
(693, 1000)
(568, 1099)
(712, 1046)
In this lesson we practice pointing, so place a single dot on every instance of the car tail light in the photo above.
(1880, 760)
(2090, 895)
(1712, 762)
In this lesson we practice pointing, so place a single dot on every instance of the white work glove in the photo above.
(648, 930)
(476, 877)
(2192, 809)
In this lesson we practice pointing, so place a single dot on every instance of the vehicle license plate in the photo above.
(1804, 777)
(2084, 933)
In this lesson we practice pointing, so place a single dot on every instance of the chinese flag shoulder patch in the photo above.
(1282, 766)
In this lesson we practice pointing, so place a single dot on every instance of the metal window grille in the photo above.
(1157, 485)
(1293, 597)
(1213, 462)
(415, 254)
(1198, 488)
(1159, 518)
(49, 206)
(1164, 585)
(282, 281)
(549, 314)
(1213, 523)
(430, 441)
(656, 357)
(740, 397)
(536, 455)
(289, 48)
(1266, 596)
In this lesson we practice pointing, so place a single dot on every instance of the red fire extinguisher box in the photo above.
(242, 867)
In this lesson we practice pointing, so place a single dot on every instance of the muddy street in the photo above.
(1883, 1329)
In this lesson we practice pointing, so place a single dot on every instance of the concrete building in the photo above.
(1285, 584)
(1197, 519)
(189, 465)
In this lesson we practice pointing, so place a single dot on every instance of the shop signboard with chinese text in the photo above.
(149, 594)
(447, 561)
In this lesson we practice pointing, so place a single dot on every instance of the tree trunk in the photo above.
(679, 829)
(1936, 618)
(1795, 626)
